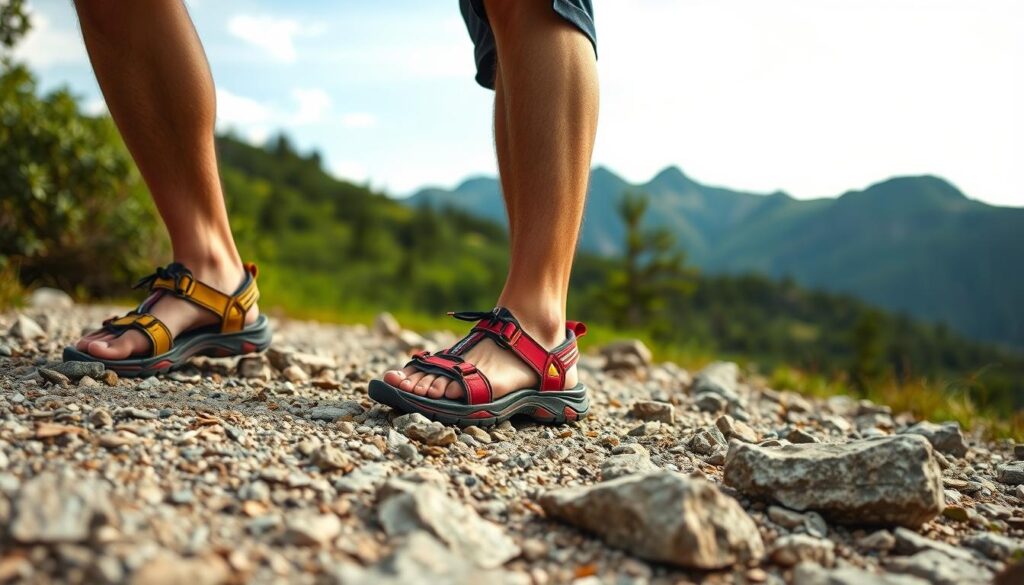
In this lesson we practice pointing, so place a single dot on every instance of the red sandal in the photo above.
(547, 403)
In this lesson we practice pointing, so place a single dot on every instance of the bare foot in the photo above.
(506, 372)
(177, 314)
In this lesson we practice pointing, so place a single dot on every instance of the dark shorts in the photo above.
(579, 13)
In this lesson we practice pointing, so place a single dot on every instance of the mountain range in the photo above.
(915, 245)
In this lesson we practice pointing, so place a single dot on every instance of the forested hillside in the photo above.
(915, 245)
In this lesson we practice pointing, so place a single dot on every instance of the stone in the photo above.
(810, 573)
(793, 548)
(945, 437)
(26, 329)
(734, 429)
(707, 441)
(431, 433)
(939, 569)
(87, 382)
(78, 370)
(800, 436)
(53, 509)
(295, 374)
(785, 518)
(626, 464)
(662, 516)
(478, 434)
(994, 546)
(1018, 452)
(100, 417)
(420, 559)
(710, 402)
(47, 298)
(886, 480)
(132, 412)
(626, 354)
(110, 378)
(250, 367)
(331, 458)
(909, 542)
(1011, 473)
(310, 529)
(344, 410)
(652, 410)
(415, 507)
(385, 325)
(720, 378)
(54, 377)
(170, 569)
(879, 540)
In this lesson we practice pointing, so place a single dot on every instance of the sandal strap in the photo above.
(159, 335)
(500, 325)
(476, 385)
(231, 309)
(550, 366)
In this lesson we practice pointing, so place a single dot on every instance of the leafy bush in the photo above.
(73, 211)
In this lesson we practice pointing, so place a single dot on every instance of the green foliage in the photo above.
(72, 204)
(338, 246)
(14, 23)
(652, 269)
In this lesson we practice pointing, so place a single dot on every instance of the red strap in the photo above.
(549, 367)
(478, 388)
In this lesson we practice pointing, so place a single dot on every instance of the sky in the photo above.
(812, 97)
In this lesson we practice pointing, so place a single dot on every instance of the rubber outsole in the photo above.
(256, 337)
(546, 407)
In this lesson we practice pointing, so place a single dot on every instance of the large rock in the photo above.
(945, 437)
(626, 354)
(721, 378)
(49, 299)
(940, 569)
(994, 546)
(810, 573)
(408, 507)
(421, 560)
(53, 509)
(26, 329)
(1011, 473)
(886, 480)
(624, 464)
(662, 516)
(170, 569)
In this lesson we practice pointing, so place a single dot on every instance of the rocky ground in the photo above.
(278, 468)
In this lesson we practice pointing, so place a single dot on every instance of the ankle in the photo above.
(544, 321)
(219, 269)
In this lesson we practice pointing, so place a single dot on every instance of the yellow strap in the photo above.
(230, 309)
(158, 334)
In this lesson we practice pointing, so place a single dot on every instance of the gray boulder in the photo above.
(721, 378)
(662, 516)
(55, 509)
(408, 508)
(883, 481)
(945, 437)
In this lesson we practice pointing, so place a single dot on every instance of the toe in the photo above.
(118, 348)
(410, 381)
(423, 384)
(437, 387)
(395, 377)
(453, 391)
(83, 343)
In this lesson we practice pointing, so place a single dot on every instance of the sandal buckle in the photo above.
(464, 368)
(184, 284)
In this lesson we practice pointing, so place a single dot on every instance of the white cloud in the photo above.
(313, 105)
(95, 107)
(273, 34)
(46, 45)
(358, 120)
(238, 110)
(349, 170)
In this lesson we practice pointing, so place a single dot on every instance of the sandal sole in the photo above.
(547, 407)
(255, 338)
